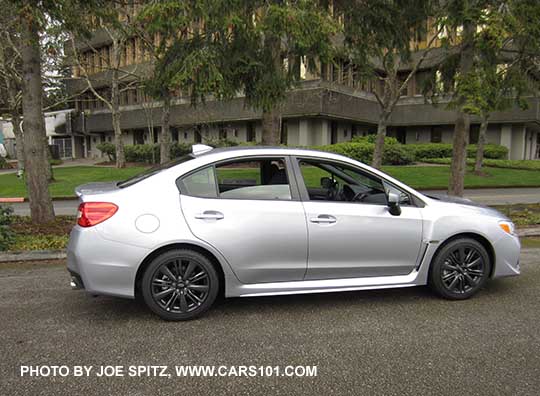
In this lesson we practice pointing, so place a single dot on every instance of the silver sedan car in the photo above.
(261, 221)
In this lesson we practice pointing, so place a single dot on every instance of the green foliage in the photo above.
(443, 150)
(39, 242)
(7, 236)
(395, 154)
(107, 148)
(220, 142)
(3, 163)
(388, 140)
(240, 46)
(494, 163)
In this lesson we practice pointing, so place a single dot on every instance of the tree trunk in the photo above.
(271, 118)
(459, 155)
(16, 121)
(456, 183)
(48, 169)
(271, 127)
(379, 142)
(165, 138)
(115, 115)
(480, 146)
(41, 208)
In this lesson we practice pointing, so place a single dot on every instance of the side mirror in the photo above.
(393, 204)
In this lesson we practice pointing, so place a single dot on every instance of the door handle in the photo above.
(210, 215)
(323, 219)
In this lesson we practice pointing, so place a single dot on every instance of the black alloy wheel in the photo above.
(460, 269)
(180, 284)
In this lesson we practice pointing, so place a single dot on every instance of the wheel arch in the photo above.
(472, 235)
(179, 245)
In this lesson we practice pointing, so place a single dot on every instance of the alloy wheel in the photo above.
(180, 285)
(463, 269)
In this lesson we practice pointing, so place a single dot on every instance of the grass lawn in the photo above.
(420, 177)
(436, 177)
(66, 179)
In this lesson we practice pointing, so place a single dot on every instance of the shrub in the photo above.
(398, 154)
(7, 236)
(394, 154)
(388, 140)
(444, 150)
(220, 142)
(493, 151)
(107, 148)
(180, 149)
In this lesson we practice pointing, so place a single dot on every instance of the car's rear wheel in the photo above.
(460, 269)
(180, 284)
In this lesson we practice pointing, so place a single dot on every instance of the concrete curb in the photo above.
(528, 232)
(32, 255)
(37, 255)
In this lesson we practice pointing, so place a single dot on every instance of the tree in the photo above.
(381, 39)
(117, 76)
(489, 58)
(34, 126)
(224, 48)
(11, 77)
(32, 19)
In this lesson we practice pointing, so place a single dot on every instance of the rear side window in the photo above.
(264, 178)
(254, 179)
(201, 183)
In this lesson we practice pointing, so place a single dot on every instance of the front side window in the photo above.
(330, 181)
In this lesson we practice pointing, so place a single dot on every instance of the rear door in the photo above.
(248, 210)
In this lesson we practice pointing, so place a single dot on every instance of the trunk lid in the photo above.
(96, 188)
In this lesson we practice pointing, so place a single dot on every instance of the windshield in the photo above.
(154, 170)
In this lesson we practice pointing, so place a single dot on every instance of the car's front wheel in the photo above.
(460, 269)
(180, 284)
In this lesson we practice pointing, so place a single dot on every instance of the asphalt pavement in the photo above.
(388, 342)
(490, 196)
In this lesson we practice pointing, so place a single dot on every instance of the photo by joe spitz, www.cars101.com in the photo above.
(261, 221)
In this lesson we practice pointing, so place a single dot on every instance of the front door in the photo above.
(351, 232)
(250, 216)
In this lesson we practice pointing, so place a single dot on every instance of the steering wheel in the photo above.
(359, 196)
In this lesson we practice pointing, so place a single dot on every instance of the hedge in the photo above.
(494, 163)
(444, 150)
(148, 153)
(361, 149)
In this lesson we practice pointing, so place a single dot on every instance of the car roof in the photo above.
(257, 149)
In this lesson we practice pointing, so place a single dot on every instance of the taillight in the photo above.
(92, 213)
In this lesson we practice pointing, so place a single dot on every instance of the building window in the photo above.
(222, 132)
(185, 135)
(250, 132)
(284, 132)
(474, 134)
(436, 135)
(333, 132)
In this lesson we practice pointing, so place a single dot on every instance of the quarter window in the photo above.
(201, 183)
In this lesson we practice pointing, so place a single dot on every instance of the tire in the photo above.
(183, 297)
(460, 269)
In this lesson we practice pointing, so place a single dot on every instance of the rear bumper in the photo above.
(102, 266)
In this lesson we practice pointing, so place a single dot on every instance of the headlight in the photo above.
(508, 227)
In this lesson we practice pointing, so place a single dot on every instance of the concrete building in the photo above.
(327, 107)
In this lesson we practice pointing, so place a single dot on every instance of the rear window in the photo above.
(154, 170)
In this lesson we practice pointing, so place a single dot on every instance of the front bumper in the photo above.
(507, 251)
